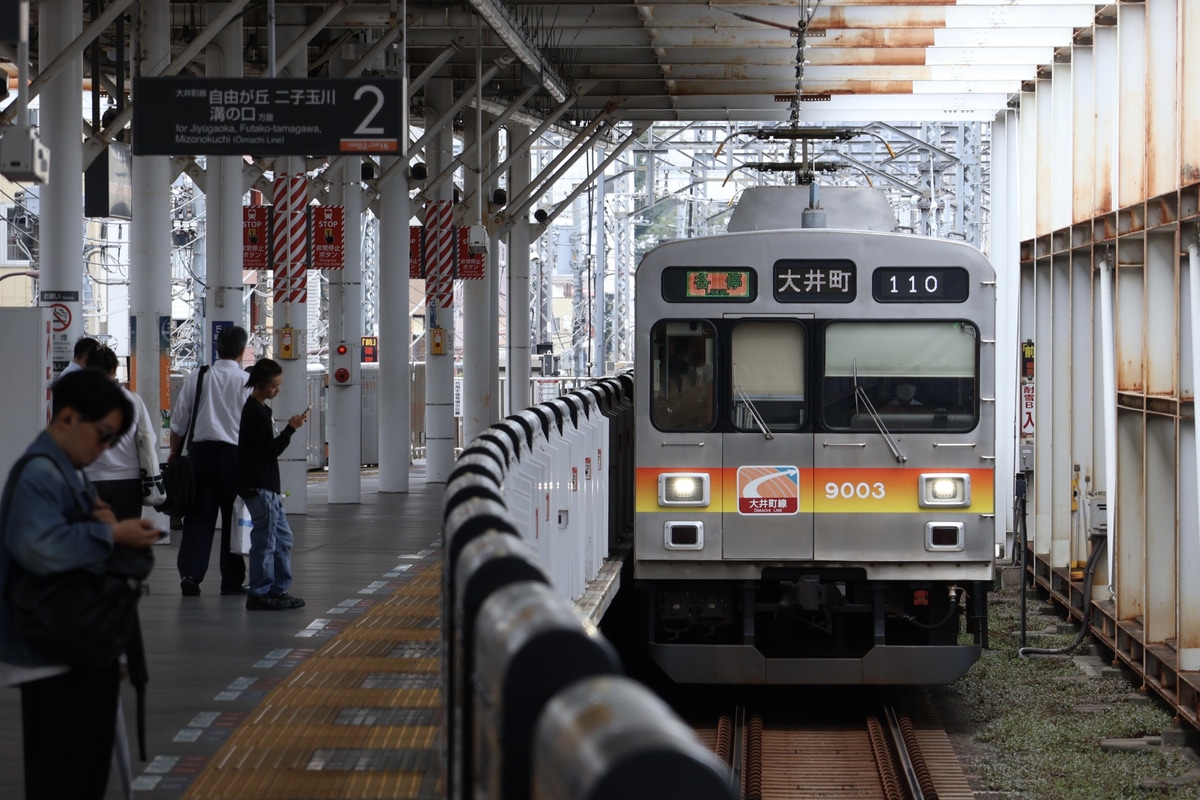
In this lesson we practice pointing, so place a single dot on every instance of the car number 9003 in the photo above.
(849, 491)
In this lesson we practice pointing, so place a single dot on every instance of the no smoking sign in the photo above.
(60, 317)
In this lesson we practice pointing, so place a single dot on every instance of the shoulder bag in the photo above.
(179, 479)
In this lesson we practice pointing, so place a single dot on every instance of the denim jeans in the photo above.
(270, 545)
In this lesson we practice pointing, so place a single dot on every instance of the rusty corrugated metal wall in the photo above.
(1110, 202)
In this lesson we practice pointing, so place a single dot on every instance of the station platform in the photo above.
(339, 699)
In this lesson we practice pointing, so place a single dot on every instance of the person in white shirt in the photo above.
(117, 472)
(214, 455)
(83, 348)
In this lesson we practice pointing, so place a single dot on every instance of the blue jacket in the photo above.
(47, 527)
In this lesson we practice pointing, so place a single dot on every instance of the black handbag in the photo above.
(85, 618)
(178, 476)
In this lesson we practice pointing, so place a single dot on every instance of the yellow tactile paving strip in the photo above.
(293, 746)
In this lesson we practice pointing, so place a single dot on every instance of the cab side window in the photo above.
(682, 361)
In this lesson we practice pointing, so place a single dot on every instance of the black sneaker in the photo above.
(233, 590)
(263, 602)
(286, 600)
(190, 587)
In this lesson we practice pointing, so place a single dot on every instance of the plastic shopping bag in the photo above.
(242, 525)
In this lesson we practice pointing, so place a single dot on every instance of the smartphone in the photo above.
(162, 534)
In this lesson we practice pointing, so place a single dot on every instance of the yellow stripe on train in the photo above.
(824, 491)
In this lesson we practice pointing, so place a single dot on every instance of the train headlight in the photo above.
(683, 489)
(945, 490)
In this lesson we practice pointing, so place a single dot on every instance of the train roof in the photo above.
(763, 208)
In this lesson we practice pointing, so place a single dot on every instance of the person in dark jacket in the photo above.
(52, 521)
(258, 485)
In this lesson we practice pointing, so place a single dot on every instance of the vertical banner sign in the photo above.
(1028, 394)
(280, 245)
(470, 267)
(439, 220)
(256, 228)
(416, 252)
(328, 247)
(290, 239)
(298, 238)
(164, 379)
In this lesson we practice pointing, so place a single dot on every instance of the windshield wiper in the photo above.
(758, 420)
(861, 394)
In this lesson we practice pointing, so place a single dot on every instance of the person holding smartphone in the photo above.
(51, 521)
(258, 485)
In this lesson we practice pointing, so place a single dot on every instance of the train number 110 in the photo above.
(928, 286)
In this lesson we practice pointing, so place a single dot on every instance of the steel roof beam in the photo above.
(542, 127)
(583, 141)
(93, 146)
(508, 28)
(638, 130)
(446, 117)
(461, 159)
(300, 43)
(75, 48)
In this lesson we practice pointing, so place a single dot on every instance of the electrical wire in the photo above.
(1099, 546)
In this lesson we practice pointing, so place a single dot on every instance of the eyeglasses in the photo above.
(108, 439)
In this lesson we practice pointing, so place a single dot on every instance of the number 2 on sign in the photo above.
(861, 490)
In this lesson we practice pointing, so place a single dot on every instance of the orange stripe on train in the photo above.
(867, 490)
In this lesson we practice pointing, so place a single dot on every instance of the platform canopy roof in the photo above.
(748, 60)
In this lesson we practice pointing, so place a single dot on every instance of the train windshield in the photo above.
(768, 375)
(918, 375)
(682, 373)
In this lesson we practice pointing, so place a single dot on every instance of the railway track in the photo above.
(892, 749)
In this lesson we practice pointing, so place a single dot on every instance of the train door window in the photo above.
(682, 375)
(916, 375)
(769, 376)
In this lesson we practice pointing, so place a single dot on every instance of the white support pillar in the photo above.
(599, 268)
(1108, 393)
(61, 215)
(492, 277)
(1005, 259)
(1189, 467)
(224, 298)
(519, 302)
(477, 396)
(439, 369)
(346, 325)
(150, 231)
(395, 383)
(293, 396)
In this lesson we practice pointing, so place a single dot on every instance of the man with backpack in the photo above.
(51, 522)
(213, 449)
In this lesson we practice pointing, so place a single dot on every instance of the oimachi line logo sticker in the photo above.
(768, 490)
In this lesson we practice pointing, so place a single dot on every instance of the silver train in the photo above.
(815, 448)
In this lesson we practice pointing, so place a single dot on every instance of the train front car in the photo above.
(815, 451)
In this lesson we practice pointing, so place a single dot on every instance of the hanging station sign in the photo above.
(266, 116)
